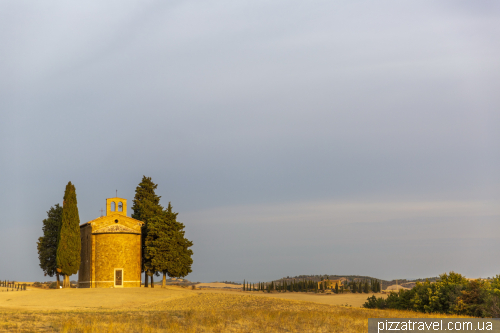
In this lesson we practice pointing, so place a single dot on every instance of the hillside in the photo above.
(406, 283)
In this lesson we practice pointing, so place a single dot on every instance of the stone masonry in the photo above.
(111, 249)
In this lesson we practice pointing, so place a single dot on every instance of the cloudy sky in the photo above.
(293, 137)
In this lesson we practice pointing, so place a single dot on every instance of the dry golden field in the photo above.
(176, 309)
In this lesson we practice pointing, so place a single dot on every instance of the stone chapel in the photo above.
(111, 249)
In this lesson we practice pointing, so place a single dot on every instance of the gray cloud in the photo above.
(229, 105)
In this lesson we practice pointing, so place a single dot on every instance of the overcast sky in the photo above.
(293, 137)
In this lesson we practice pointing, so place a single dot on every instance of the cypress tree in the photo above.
(146, 206)
(69, 244)
(336, 288)
(47, 244)
(167, 250)
(243, 285)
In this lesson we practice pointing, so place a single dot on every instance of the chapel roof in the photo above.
(106, 217)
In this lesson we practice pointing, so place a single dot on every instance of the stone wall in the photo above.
(117, 251)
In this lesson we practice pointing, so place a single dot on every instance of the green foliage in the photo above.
(146, 202)
(69, 244)
(166, 247)
(146, 206)
(495, 286)
(47, 244)
(450, 294)
(375, 303)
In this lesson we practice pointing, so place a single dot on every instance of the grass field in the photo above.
(176, 309)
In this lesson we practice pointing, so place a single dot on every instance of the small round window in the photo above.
(116, 221)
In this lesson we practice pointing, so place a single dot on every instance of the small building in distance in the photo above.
(111, 249)
(329, 284)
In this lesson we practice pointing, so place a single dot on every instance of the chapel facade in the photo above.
(111, 249)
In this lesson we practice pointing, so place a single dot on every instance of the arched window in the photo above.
(113, 206)
(120, 206)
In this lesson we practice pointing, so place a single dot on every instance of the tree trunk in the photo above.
(164, 282)
(146, 279)
(58, 282)
(152, 282)
(65, 281)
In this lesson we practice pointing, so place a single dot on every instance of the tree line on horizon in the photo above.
(308, 285)
(357, 278)
(165, 249)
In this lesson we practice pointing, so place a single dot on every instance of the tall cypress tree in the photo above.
(69, 244)
(146, 206)
(166, 248)
(47, 244)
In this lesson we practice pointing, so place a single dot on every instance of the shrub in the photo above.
(451, 294)
(375, 303)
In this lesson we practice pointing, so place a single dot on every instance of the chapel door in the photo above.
(118, 277)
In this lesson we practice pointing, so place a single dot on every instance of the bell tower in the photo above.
(116, 206)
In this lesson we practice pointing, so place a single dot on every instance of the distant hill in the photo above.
(406, 283)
